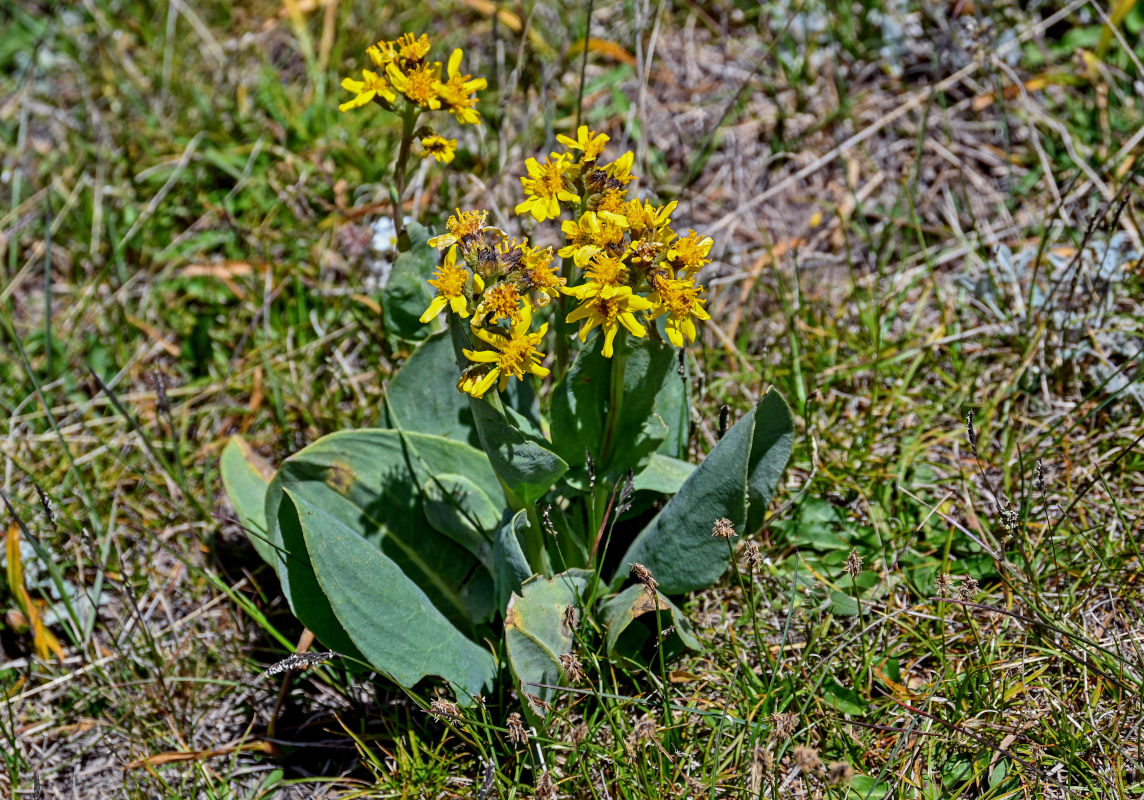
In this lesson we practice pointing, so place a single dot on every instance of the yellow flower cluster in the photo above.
(402, 69)
(633, 267)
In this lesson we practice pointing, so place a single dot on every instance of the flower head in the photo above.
(369, 87)
(690, 252)
(513, 354)
(464, 228)
(589, 144)
(537, 274)
(458, 92)
(439, 148)
(450, 284)
(501, 301)
(609, 307)
(411, 49)
(680, 300)
(546, 186)
(420, 85)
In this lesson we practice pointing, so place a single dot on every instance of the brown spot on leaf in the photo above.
(340, 477)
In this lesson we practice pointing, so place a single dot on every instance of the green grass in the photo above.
(132, 158)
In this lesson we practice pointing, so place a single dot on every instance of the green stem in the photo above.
(408, 125)
(534, 549)
(616, 401)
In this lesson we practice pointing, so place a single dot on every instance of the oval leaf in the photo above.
(526, 466)
(393, 623)
(245, 477)
(423, 396)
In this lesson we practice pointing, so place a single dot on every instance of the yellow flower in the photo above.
(501, 301)
(680, 300)
(463, 228)
(611, 207)
(410, 49)
(458, 93)
(420, 84)
(381, 54)
(537, 274)
(450, 285)
(605, 270)
(609, 307)
(439, 148)
(590, 144)
(620, 170)
(545, 187)
(644, 217)
(372, 85)
(690, 252)
(513, 354)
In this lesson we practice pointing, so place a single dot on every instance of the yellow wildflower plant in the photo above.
(439, 148)
(420, 85)
(633, 267)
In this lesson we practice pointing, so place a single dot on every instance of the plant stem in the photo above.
(616, 401)
(408, 123)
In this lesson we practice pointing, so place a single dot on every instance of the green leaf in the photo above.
(865, 787)
(839, 697)
(671, 406)
(677, 546)
(370, 480)
(537, 633)
(770, 451)
(622, 610)
(527, 467)
(245, 477)
(640, 427)
(579, 402)
(510, 565)
(458, 508)
(407, 293)
(663, 474)
(396, 627)
(423, 396)
(842, 604)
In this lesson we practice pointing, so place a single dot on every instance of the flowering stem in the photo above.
(616, 401)
(408, 123)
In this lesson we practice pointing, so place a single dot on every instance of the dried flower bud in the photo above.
(806, 758)
(572, 667)
(643, 576)
(723, 528)
(839, 772)
(516, 732)
(853, 564)
(754, 557)
(1039, 477)
(968, 589)
(545, 788)
(943, 585)
(971, 431)
(442, 709)
(785, 725)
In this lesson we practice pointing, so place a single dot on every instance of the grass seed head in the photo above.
(785, 724)
(853, 564)
(968, 589)
(806, 758)
(572, 667)
(644, 577)
(442, 709)
(753, 556)
(516, 732)
(545, 788)
(839, 772)
(723, 528)
(943, 585)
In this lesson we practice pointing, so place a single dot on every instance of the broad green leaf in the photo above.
(510, 566)
(537, 632)
(663, 474)
(423, 396)
(865, 787)
(396, 627)
(842, 604)
(407, 293)
(622, 610)
(639, 428)
(459, 509)
(370, 480)
(677, 546)
(296, 573)
(527, 467)
(245, 476)
(770, 451)
(579, 402)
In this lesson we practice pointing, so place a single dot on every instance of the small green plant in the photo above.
(496, 527)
